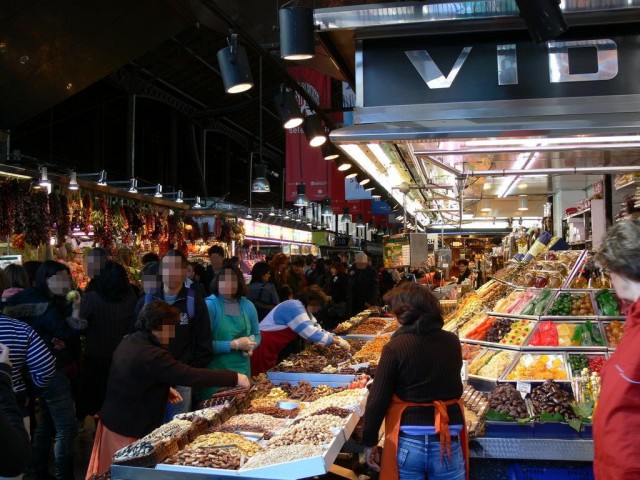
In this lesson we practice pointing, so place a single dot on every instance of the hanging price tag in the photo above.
(524, 388)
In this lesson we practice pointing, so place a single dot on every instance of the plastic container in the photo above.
(554, 430)
(508, 429)
(518, 471)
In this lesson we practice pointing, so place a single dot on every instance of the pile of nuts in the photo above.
(506, 399)
(551, 398)
(263, 403)
(372, 350)
(173, 429)
(345, 398)
(136, 449)
(370, 326)
(338, 412)
(289, 453)
(208, 457)
(218, 439)
(251, 421)
(273, 411)
(314, 430)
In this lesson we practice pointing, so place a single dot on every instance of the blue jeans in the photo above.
(420, 459)
(57, 423)
(183, 407)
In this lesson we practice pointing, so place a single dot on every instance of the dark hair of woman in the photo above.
(31, 267)
(176, 253)
(320, 267)
(4, 281)
(47, 270)
(155, 314)
(463, 261)
(198, 271)
(258, 271)
(151, 268)
(284, 292)
(16, 276)
(313, 296)
(339, 267)
(228, 268)
(412, 304)
(112, 284)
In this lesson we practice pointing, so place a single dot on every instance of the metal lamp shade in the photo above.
(360, 223)
(327, 211)
(301, 198)
(346, 216)
(297, 41)
(343, 165)
(314, 130)
(329, 151)
(288, 109)
(260, 183)
(523, 204)
(235, 70)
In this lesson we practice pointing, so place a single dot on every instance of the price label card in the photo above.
(523, 387)
(464, 372)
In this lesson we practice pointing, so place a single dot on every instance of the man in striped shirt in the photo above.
(29, 355)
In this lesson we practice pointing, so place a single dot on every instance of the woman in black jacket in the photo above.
(141, 374)
(45, 308)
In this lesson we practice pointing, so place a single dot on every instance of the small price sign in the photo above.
(524, 388)
(464, 372)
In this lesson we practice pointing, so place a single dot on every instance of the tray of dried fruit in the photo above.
(593, 362)
(537, 367)
(509, 333)
(368, 328)
(490, 364)
(567, 305)
(613, 332)
(568, 335)
(529, 304)
(609, 306)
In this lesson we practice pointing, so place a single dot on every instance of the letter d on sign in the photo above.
(607, 58)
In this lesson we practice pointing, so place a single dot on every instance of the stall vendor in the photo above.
(285, 322)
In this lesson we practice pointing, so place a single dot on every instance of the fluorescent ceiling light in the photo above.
(14, 175)
(510, 142)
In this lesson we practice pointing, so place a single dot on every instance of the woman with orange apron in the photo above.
(416, 391)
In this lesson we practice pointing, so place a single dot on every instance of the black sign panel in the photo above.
(487, 67)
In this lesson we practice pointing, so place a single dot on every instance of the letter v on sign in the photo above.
(431, 73)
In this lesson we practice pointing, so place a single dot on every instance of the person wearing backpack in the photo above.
(192, 343)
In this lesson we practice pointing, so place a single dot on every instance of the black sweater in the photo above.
(417, 368)
(14, 440)
(141, 373)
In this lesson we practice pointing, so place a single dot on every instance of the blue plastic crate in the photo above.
(524, 472)
(508, 429)
(554, 430)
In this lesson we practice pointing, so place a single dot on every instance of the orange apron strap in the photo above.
(389, 461)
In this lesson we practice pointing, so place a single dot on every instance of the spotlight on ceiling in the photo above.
(197, 204)
(43, 180)
(346, 216)
(248, 216)
(343, 164)
(330, 151)
(158, 193)
(543, 18)
(102, 178)
(234, 67)
(133, 186)
(301, 198)
(260, 183)
(314, 130)
(364, 181)
(73, 181)
(288, 108)
(180, 197)
(297, 41)
(351, 175)
(272, 212)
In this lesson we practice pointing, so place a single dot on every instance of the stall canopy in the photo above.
(463, 118)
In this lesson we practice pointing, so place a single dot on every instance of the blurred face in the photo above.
(627, 290)
(165, 334)
(334, 272)
(92, 265)
(463, 267)
(60, 283)
(266, 277)
(173, 272)
(313, 309)
(297, 269)
(228, 284)
(361, 265)
(151, 284)
(216, 260)
(191, 272)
